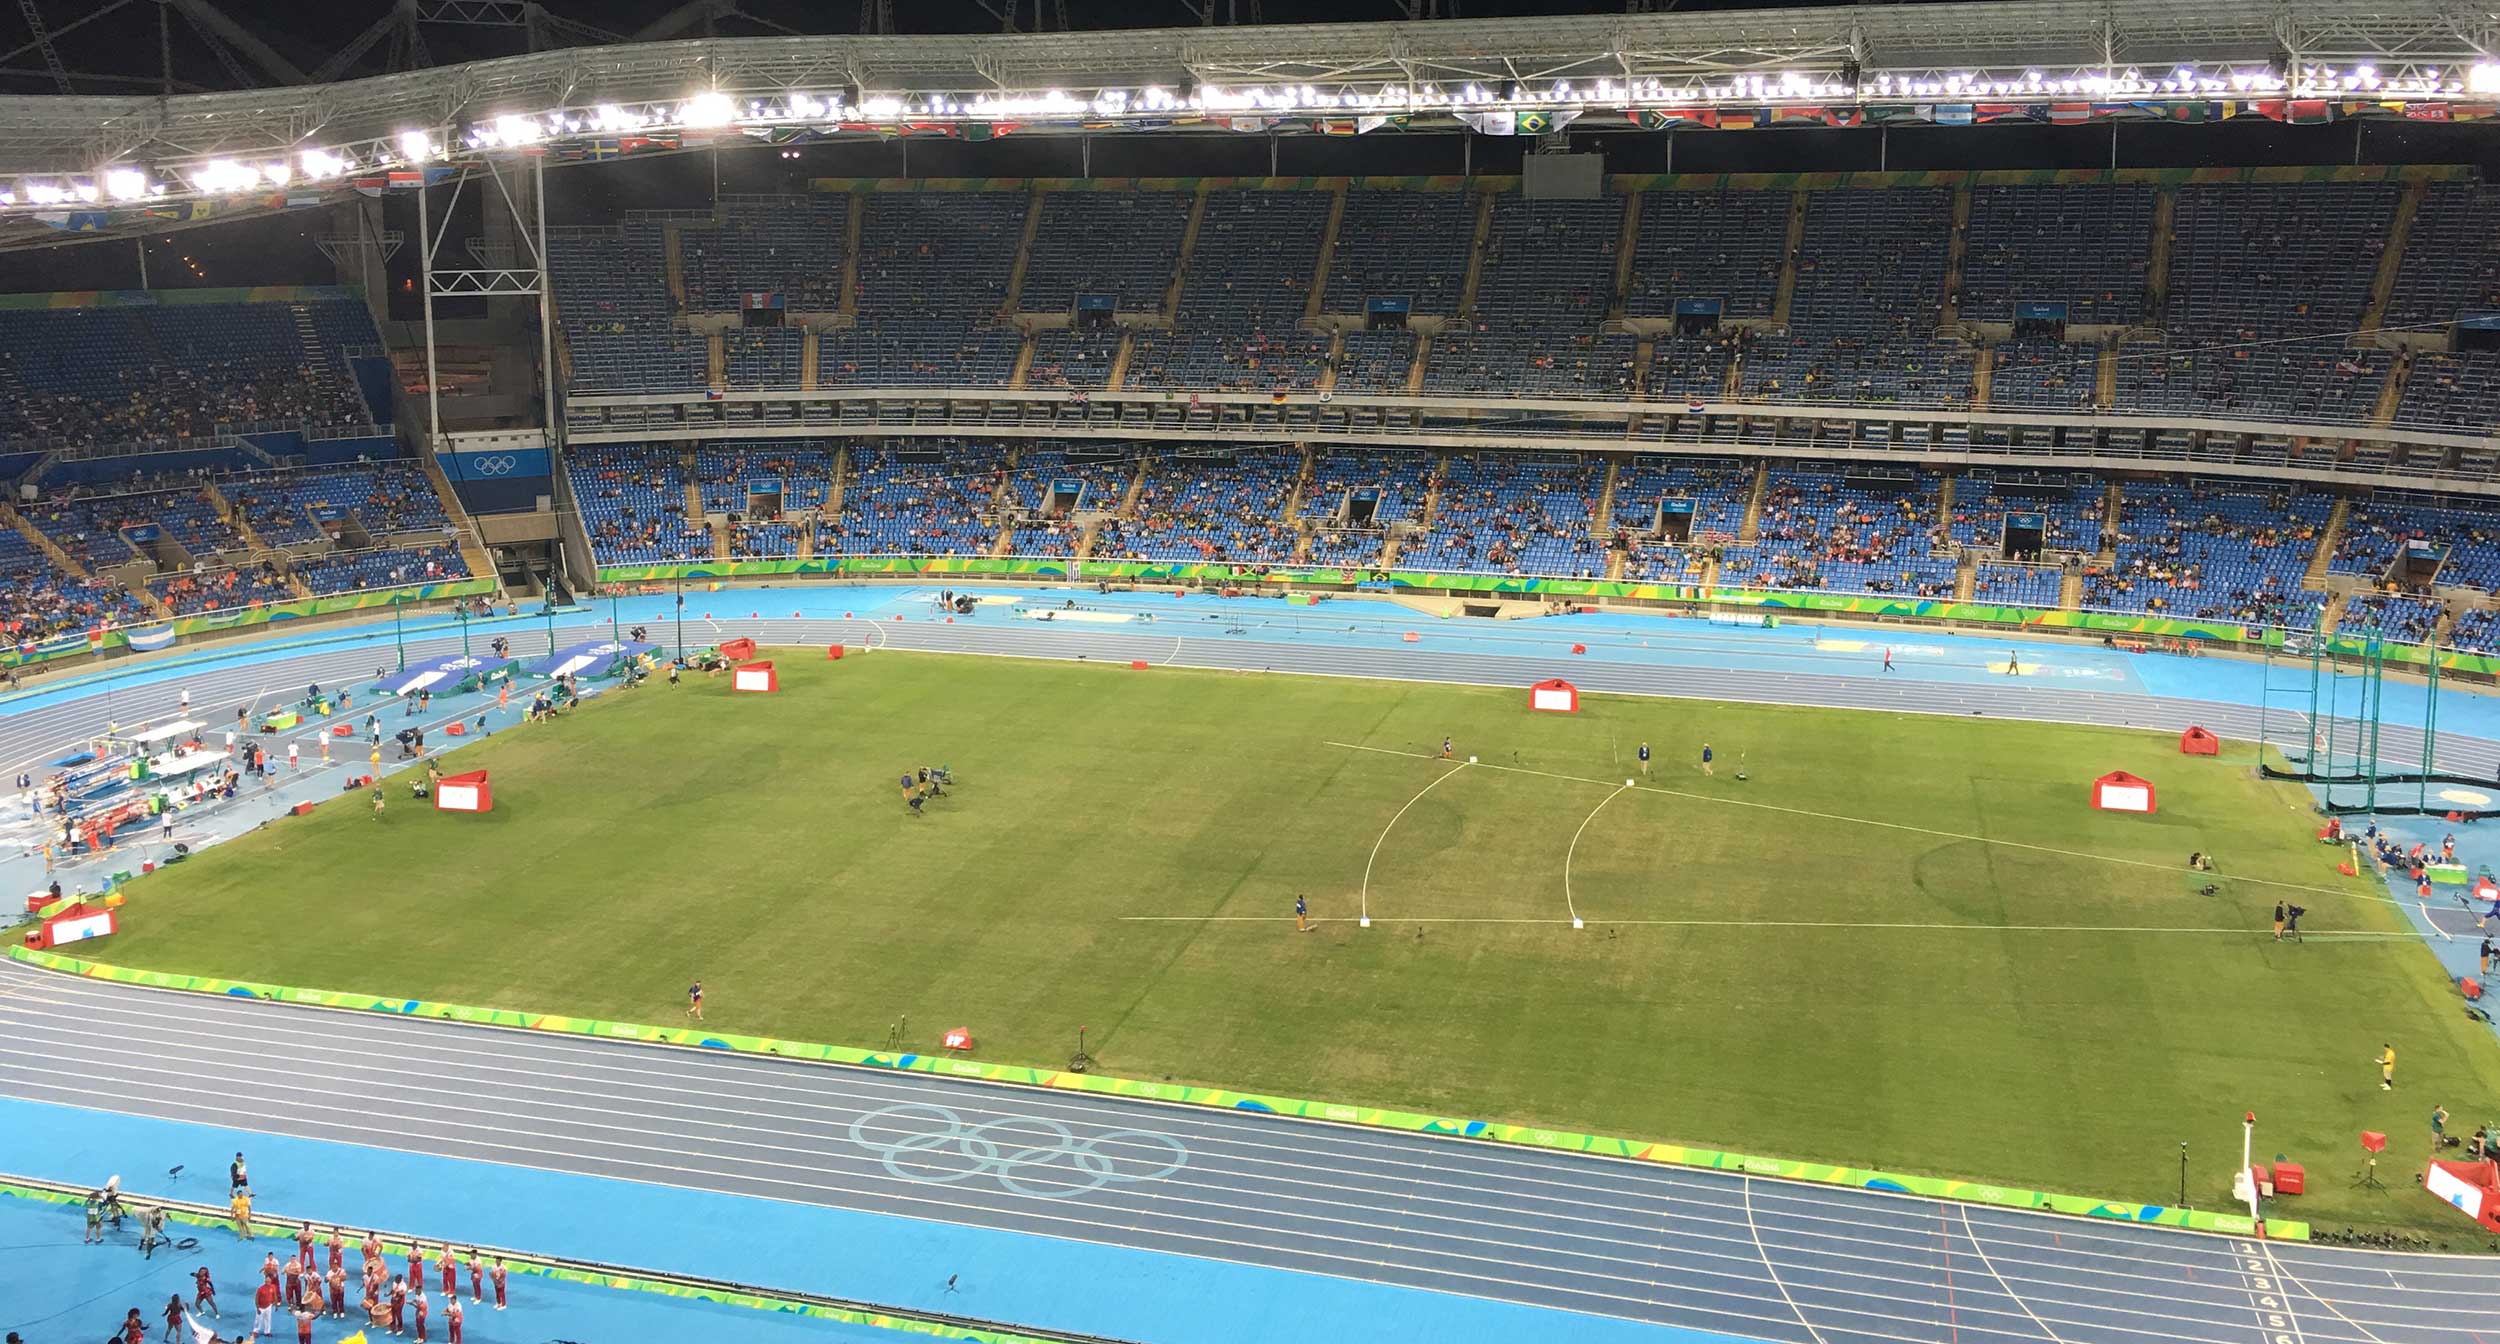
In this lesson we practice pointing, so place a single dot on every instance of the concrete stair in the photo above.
(1644, 350)
(2391, 259)
(2333, 614)
(1024, 253)
(473, 552)
(810, 351)
(1189, 248)
(2157, 261)
(1950, 314)
(1752, 526)
(1475, 256)
(2391, 394)
(51, 550)
(2070, 590)
(673, 262)
(1965, 577)
(2314, 577)
(1944, 503)
(841, 477)
(1602, 520)
(694, 501)
(2110, 511)
(1786, 294)
(716, 358)
(852, 228)
(1415, 373)
(1136, 488)
(1629, 239)
(1336, 353)
(2105, 377)
(1315, 304)
(1983, 373)
(1301, 485)
(1119, 362)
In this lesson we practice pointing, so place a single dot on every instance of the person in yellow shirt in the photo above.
(241, 1206)
(2387, 1068)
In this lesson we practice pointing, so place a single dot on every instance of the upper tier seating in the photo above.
(790, 246)
(1547, 280)
(611, 289)
(154, 374)
(2085, 245)
(1410, 245)
(1239, 325)
(1124, 244)
(385, 497)
(933, 275)
(1708, 245)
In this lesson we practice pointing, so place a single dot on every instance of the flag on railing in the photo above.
(149, 641)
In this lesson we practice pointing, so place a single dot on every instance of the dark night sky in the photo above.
(280, 250)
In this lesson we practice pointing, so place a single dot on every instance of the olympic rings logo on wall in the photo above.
(930, 1144)
(501, 465)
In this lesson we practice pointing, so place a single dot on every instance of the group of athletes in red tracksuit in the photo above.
(390, 1299)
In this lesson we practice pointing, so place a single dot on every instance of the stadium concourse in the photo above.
(1187, 1224)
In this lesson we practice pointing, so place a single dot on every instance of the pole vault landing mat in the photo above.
(596, 659)
(444, 675)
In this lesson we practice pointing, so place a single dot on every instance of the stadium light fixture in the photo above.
(708, 110)
(125, 184)
(415, 146)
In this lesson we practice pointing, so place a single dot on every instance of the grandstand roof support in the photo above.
(490, 282)
(213, 23)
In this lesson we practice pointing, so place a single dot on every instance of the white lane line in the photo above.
(1334, 1186)
(2334, 936)
(1366, 897)
(1990, 1266)
(1568, 906)
(1884, 825)
(1379, 1150)
(1773, 1270)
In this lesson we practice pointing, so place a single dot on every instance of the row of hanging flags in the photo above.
(1506, 121)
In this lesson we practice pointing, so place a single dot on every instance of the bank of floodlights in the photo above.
(415, 155)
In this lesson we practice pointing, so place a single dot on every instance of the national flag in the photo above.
(2069, 114)
(2348, 366)
(149, 641)
(2427, 112)
(297, 200)
(2308, 112)
(1661, 118)
(988, 130)
(1367, 125)
(629, 144)
(405, 181)
(1740, 118)
(1333, 126)
(1953, 114)
(1255, 124)
(370, 186)
(2191, 113)
(714, 394)
(1986, 113)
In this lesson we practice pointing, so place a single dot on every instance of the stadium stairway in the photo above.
(1786, 294)
(2070, 590)
(1319, 276)
(833, 487)
(1415, 371)
(2157, 259)
(473, 552)
(1983, 372)
(1944, 505)
(1024, 255)
(2332, 614)
(1949, 315)
(1475, 272)
(673, 265)
(1136, 487)
(1602, 519)
(716, 357)
(1625, 245)
(1119, 360)
(2391, 258)
(1965, 576)
(1644, 350)
(2109, 526)
(848, 305)
(1180, 265)
(1752, 527)
(694, 496)
(2391, 393)
(1336, 356)
(2314, 578)
(2105, 377)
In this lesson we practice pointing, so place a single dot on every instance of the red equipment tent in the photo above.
(754, 677)
(2119, 791)
(466, 792)
(2473, 1187)
(2199, 742)
(1556, 696)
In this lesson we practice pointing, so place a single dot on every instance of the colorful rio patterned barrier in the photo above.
(562, 1272)
(267, 613)
(1707, 1159)
(2121, 625)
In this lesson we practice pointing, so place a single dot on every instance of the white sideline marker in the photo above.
(1575, 922)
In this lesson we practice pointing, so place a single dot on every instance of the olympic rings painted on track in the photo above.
(930, 1144)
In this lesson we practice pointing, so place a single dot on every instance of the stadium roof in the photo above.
(70, 151)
